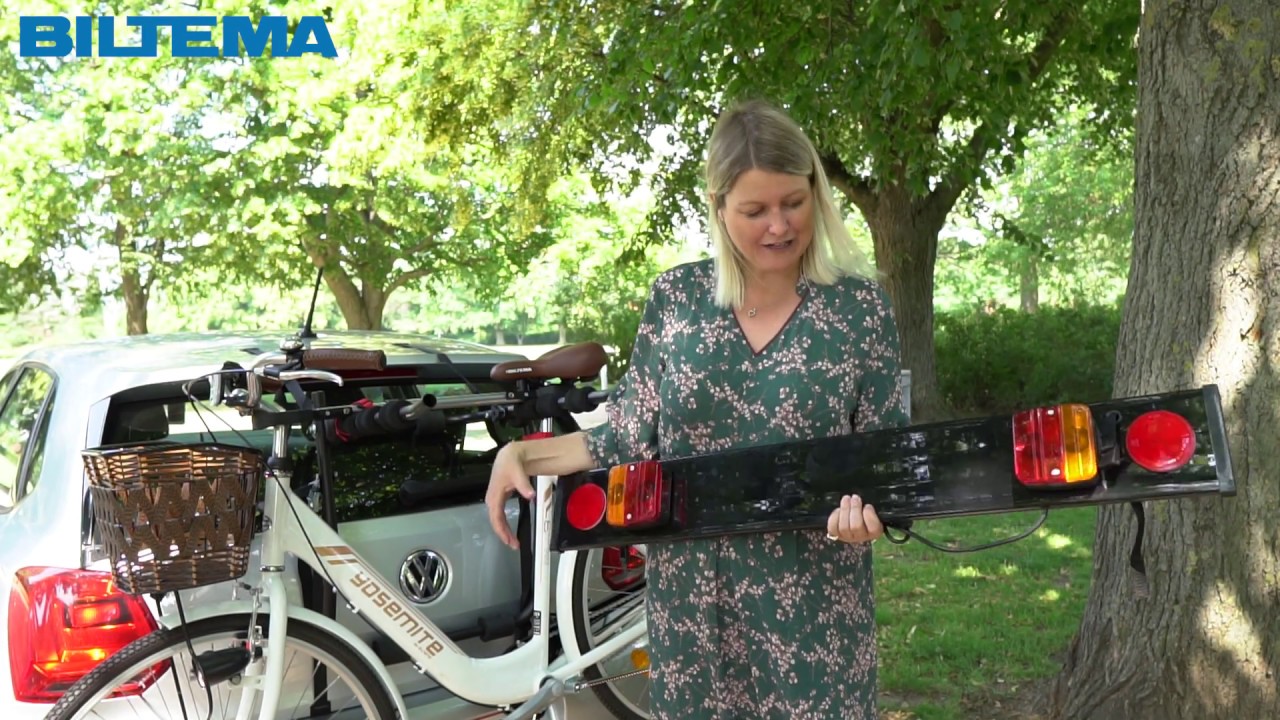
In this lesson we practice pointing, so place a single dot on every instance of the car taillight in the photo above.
(63, 623)
(638, 495)
(1160, 441)
(1054, 446)
(620, 572)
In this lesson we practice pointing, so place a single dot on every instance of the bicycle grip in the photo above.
(341, 359)
(579, 400)
(374, 421)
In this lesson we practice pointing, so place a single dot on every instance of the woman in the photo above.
(779, 337)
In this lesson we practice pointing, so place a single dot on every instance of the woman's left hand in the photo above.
(854, 522)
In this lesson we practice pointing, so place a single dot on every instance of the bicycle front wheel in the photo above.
(323, 677)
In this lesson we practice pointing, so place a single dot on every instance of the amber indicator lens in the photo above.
(1054, 446)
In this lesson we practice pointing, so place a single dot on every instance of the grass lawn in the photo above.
(961, 635)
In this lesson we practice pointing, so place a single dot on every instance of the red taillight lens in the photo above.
(644, 494)
(62, 623)
(621, 571)
(637, 495)
(96, 614)
(585, 507)
(1160, 441)
(1054, 446)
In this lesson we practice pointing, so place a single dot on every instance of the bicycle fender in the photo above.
(237, 607)
(564, 607)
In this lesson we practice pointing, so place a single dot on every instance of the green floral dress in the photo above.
(770, 625)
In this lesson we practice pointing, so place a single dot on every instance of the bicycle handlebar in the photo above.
(325, 359)
(342, 359)
(316, 365)
(427, 414)
(475, 400)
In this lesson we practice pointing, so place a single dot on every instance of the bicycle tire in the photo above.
(115, 670)
(606, 693)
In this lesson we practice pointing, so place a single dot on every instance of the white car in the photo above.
(413, 508)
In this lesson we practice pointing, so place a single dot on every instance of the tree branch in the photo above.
(422, 246)
(374, 219)
(336, 276)
(322, 251)
(159, 263)
(985, 136)
(406, 278)
(857, 189)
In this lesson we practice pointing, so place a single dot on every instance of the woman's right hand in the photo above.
(508, 475)
(517, 461)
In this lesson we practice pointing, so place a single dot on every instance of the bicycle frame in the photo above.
(291, 527)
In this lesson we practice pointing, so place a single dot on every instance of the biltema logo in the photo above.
(191, 36)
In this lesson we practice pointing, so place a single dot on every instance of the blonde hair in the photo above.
(757, 135)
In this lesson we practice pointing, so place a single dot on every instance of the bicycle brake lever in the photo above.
(325, 375)
(254, 381)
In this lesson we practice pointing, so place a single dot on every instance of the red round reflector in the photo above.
(585, 507)
(1160, 441)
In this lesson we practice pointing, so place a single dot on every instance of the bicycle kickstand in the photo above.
(558, 710)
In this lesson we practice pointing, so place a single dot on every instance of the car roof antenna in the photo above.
(306, 333)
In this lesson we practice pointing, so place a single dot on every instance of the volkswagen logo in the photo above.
(423, 576)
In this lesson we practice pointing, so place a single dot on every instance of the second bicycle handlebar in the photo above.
(320, 364)
(427, 415)
(516, 407)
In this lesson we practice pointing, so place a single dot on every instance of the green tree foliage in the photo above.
(909, 102)
(381, 167)
(1059, 228)
(104, 157)
(385, 166)
(591, 284)
(1006, 360)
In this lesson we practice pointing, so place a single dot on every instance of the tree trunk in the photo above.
(361, 307)
(350, 302)
(499, 337)
(375, 303)
(904, 232)
(132, 287)
(1203, 306)
(564, 332)
(1029, 284)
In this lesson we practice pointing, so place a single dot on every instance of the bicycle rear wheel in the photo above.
(609, 596)
(323, 677)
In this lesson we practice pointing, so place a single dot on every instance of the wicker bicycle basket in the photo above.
(174, 516)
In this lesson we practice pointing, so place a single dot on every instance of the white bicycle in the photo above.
(266, 656)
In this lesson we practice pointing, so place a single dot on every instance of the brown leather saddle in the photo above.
(569, 363)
